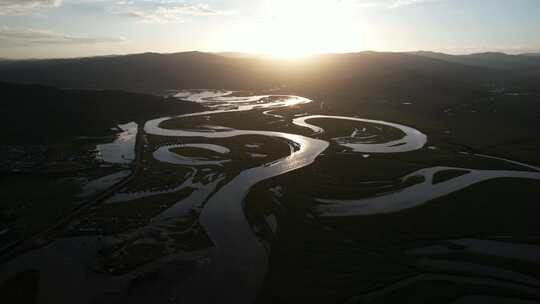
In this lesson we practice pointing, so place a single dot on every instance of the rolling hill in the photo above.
(40, 114)
(364, 72)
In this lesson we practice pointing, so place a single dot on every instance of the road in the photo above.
(45, 236)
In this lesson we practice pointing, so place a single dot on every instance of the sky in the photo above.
(281, 28)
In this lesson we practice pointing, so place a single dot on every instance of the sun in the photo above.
(296, 28)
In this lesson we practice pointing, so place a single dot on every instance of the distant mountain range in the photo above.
(148, 72)
(522, 63)
(366, 72)
(531, 54)
(94, 97)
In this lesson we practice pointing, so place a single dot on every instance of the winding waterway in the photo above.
(239, 260)
(235, 265)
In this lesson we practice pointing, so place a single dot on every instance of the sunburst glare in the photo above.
(301, 28)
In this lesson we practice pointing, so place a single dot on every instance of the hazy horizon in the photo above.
(236, 54)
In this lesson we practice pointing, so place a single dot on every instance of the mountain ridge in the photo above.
(155, 72)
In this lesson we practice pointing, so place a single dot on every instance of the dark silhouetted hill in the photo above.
(39, 114)
(518, 63)
(147, 72)
(365, 72)
(522, 71)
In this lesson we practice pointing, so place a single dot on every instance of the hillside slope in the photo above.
(151, 72)
(39, 114)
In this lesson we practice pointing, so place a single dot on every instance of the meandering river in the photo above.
(239, 262)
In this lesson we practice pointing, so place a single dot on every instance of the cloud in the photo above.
(199, 10)
(167, 11)
(25, 7)
(28, 37)
(388, 3)
(400, 3)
